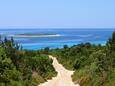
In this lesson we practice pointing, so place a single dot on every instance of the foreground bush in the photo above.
(23, 67)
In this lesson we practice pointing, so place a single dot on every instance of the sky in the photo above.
(57, 13)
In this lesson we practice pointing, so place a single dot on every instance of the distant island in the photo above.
(29, 34)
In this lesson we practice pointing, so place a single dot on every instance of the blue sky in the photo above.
(57, 13)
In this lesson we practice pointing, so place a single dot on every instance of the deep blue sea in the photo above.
(67, 37)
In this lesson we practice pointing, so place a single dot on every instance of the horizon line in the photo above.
(57, 28)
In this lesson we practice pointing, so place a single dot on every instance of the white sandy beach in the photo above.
(63, 78)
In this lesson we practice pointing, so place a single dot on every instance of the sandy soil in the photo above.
(62, 79)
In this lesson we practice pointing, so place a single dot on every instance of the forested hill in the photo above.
(23, 67)
(94, 65)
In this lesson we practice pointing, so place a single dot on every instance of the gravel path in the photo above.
(63, 78)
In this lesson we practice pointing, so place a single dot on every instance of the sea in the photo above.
(66, 36)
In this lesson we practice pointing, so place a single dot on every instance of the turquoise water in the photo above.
(67, 37)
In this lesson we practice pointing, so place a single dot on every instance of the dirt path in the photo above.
(62, 79)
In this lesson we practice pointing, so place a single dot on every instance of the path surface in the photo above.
(62, 79)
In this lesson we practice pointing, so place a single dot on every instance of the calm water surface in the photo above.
(68, 36)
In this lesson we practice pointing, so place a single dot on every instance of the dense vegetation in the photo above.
(23, 67)
(94, 65)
